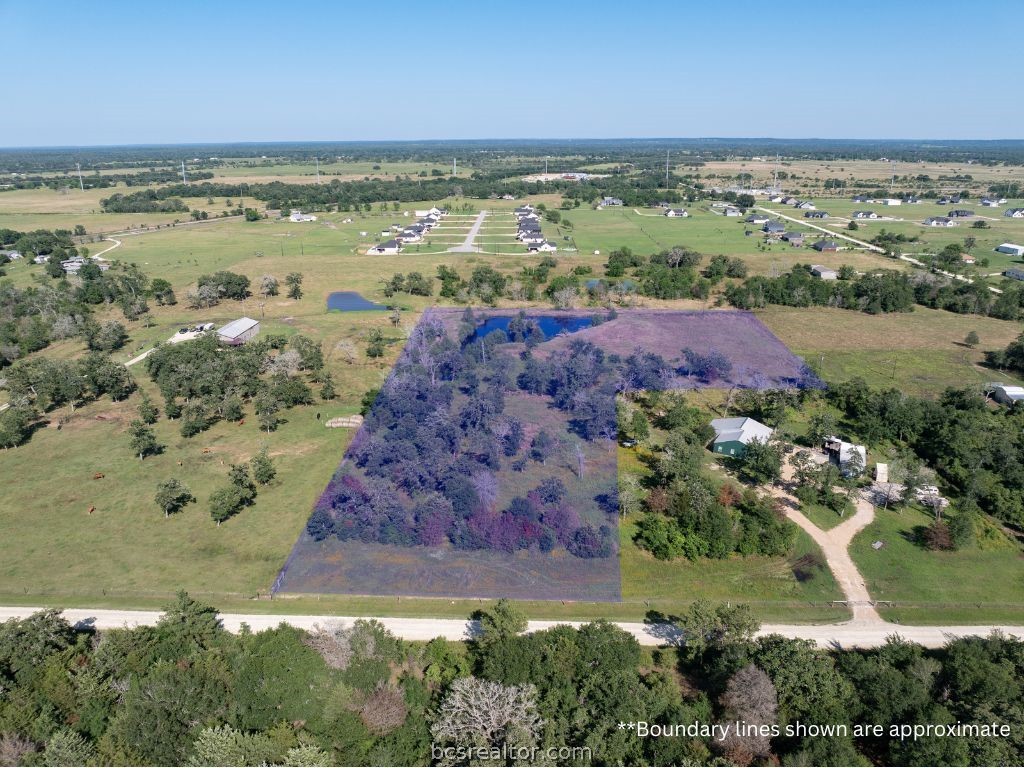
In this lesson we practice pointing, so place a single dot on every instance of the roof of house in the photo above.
(236, 328)
(793, 235)
(1010, 245)
(774, 226)
(1012, 391)
(821, 245)
(822, 269)
(847, 450)
(741, 429)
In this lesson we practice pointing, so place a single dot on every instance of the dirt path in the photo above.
(835, 545)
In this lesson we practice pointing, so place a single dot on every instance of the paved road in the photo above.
(806, 223)
(467, 244)
(852, 633)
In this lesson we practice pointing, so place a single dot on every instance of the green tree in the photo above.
(263, 470)
(706, 627)
(68, 747)
(172, 496)
(502, 620)
(294, 282)
(267, 408)
(327, 388)
(375, 348)
(972, 340)
(142, 439)
(148, 412)
(762, 462)
(226, 502)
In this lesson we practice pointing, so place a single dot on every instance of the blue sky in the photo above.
(141, 72)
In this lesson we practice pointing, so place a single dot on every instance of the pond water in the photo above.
(550, 325)
(350, 301)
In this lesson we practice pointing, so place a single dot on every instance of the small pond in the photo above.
(350, 301)
(550, 325)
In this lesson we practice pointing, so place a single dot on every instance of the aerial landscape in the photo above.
(355, 410)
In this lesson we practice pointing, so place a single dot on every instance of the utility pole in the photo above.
(318, 170)
(892, 183)
(184, 180)
(666, 168)
(81, 185)
(455, 166)
(545, 165)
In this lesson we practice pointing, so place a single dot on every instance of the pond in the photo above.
(350, 301)
(550, 325)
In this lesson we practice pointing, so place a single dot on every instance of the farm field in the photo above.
(921, 352)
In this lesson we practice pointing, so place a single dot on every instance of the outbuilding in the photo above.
(238, 331)
(1011, 248)
(825, 273)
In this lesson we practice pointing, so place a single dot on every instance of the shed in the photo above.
(238, 331)
(825, 273)
(1008, 394)
(1011, 248)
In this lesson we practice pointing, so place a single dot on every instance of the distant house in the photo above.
(805, 205)
(547, 246)
(892, 201)
(865, 215)
(610, 201)
(961, 213)
(1014, 213)
(776, 199)
(852, 459)
(1007, 394)
(758, 218)
(1016, 274)
(677, 213)
(532, 238)
(1011, 248)
(860, 198)
(966, 258)
(793, 238)
(730, 211)
(298, 216)
(825, 245)
(939, 221)
(790, 201)
(911, 200)
(773, 228)
(816, 215)
(387, 248)
(238, 331)
(732, 436)
(949, 200)
(988, 203)
(825, 273)
(409, 237)
(435, 211)
(12, 255)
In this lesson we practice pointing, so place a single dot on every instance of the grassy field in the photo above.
(971, 586)
(921, 352)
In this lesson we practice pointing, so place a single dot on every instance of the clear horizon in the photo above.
(119, 74)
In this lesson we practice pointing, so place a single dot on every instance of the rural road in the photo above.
(848, 634)
(467, 244)
(805, 223)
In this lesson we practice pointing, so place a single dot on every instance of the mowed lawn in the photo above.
(921, 352)
(971, 586)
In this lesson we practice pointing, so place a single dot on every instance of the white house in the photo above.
(12, 255)
(892, 201)
(547, 246)
(387, 248)
(758, 218)
(677, 213)
(1014, 213)
(1011, 248)
(805, 205)
(865, 215)
(238, 331)
(825, 273)
(409, 237)
(299, 216)
(940, 221)
(428, 212)
(733, 212)
(611, 201)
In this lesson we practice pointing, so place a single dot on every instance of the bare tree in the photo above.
(13, 749)
(481, 713)
(334, 644)
(565, 298)
(383, 710)
(580, 457)
(749, 697)
(347, 350)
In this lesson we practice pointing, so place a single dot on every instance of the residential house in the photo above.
(1014, 213)
(939, 221)
(773, 228)
(758, 218)
(547, 246)
(1015, 273)
(825, 273)
(238, 331)
(408, 237)
(610, 201)
(387, 248)
(732, 436)
(299, 216)
(677, 213)
(10, 255)
(816, 215)
(435, 211)
(852, 459)
(789, 201)
(865, 215)
(730, 211)
(824, 246)
(860, 198)
(911, 200)
(1011, 248)
(776, 199)
(988, 203)
(892, 201)
(793, 238)
(532, 238)
(961, 213)
(805, 205)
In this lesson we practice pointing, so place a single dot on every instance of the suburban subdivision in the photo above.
(378, 449)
